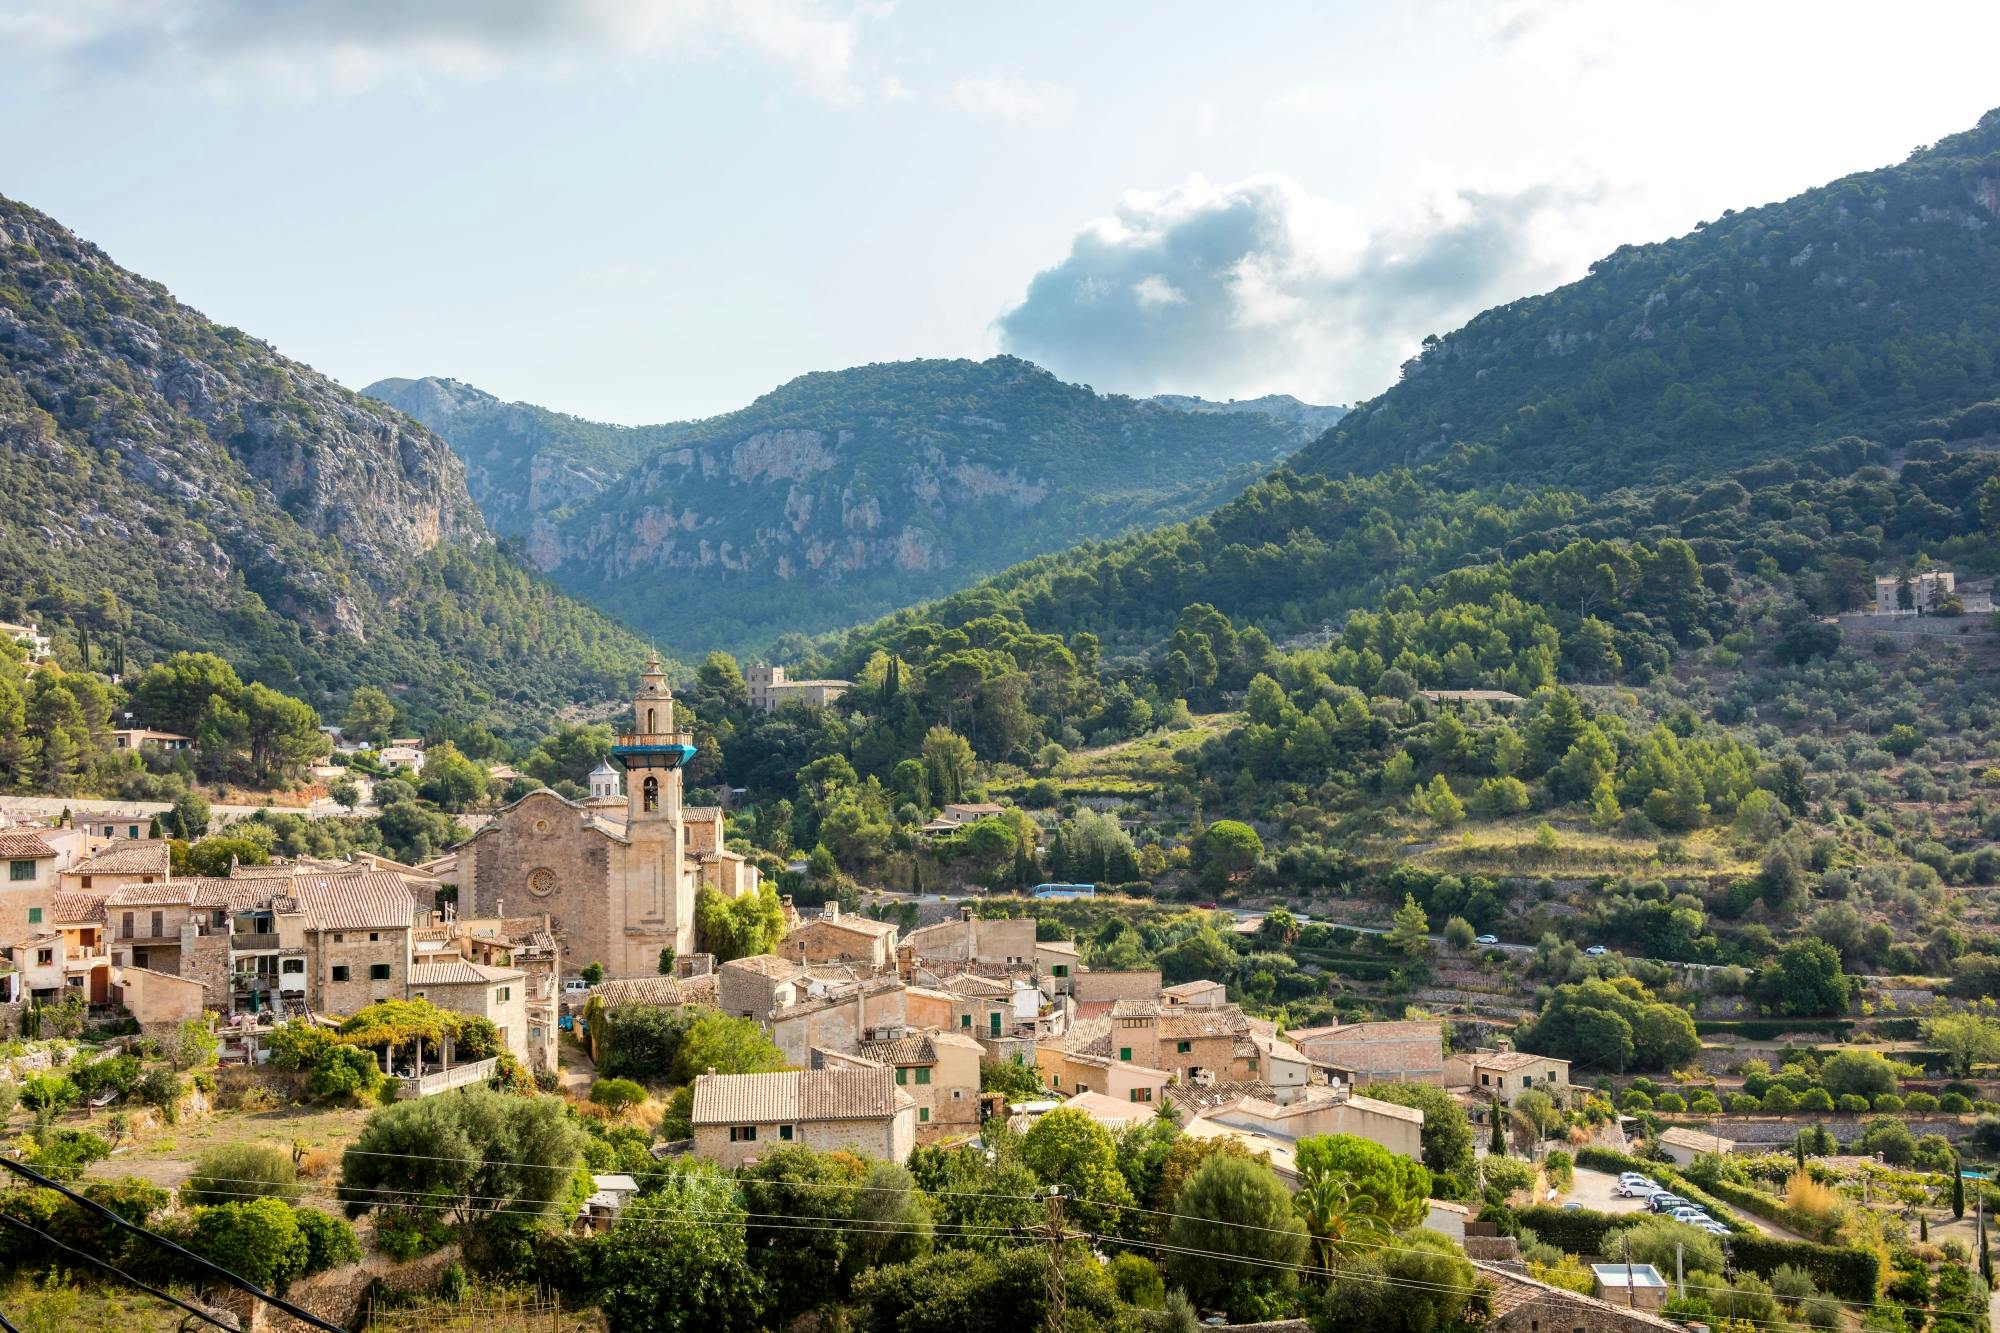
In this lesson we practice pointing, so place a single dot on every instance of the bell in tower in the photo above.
(652, 753)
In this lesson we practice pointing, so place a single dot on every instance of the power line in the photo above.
(117, 1272)
(241, 1283)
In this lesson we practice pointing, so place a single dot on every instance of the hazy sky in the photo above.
(642, 210)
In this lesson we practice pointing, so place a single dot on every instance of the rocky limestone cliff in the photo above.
(845, 493)
(226, 497)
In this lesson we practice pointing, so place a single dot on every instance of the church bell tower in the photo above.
(653, 755)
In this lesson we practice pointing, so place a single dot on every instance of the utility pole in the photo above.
(1631, 1296)
(1680, 1282)
(1052, 1231)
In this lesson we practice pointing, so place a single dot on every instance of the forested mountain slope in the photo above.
(167, 483)
(1860, 307)
(842, 494)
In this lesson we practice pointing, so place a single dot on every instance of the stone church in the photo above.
(618, 872)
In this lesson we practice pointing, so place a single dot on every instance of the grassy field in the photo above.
(1510, 847)
(168, 1154)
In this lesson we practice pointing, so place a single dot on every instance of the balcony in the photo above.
(258, 942)
(653, 749)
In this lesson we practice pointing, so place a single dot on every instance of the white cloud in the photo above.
(1259, 286)
(304, 48)
(1011, 98)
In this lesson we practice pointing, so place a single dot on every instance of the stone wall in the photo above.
(340, 1295)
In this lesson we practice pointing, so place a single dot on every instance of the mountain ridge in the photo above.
(175, 483)
(843, 493)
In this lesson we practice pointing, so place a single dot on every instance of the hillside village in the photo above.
(621, 956)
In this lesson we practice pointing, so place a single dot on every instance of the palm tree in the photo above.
(1342, 1223)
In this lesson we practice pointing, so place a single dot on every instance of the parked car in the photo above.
(1663, 1202)
(575, 986)
(1692, 1216)
(1596, 951)
(1485, 939)
(1713, 1227)
(1637, 1189)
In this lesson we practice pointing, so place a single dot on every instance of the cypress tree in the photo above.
(1799, 1149)
(1499, 1145)
(1923, 1228)
(1957, 1186)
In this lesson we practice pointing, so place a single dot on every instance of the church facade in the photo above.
(617, 873)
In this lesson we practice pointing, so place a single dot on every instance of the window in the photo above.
(340, 971)
(34, 916)
(374, 935)
(159, 924)
(1142, 1094)
(1251, 1064)
(292, 965)
(1125, 1053)
(902, 1077)
(20, 870)
(1062, 969)
(132, 831)
(965, 1020)
(1183, 1047)
(652, 795)
(746, 1134)
(125, 927)
(502, 994)
(785, 1133)
(43, 957)
(923, 1076)
(378, 971)
(923, 1115)
(993, 1020)
(339, 938)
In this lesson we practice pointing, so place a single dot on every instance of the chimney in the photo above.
(831, 911)
(965, 912)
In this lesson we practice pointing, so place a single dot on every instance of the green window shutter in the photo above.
(902, 1077)
(1125, 1053)
(965, 1020)
(924, 1114)
(1183, 1047)
(20, 870)
(923, 1075)
(34, 916)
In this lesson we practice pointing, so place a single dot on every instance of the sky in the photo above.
(651, 210)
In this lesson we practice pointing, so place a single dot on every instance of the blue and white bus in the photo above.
(1065, 890)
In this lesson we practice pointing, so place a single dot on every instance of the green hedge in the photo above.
(1773, 1209)
(1575, 1230)
(1768, 1029)
(1849, 1275)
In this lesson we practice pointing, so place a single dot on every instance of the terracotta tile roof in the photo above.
(1697, 1140)
(1135, 1009)
(860, 925)
(1182, 1021)
(1089, 1036)
(128, 858)
(460, 972)
(74, 908)
(355, 902)
(19, 846)
(197, 891)
(973, 986)
(766, 965)
(916, 1049)
(1187, 989)
(797, 1096)
(668, 992)
(1506, 1060)
(1399, 1029)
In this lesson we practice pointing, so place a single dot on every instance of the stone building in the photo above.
(855, 1106)
(1501, 1074)
(119, 864)
(497, 994)
(618, 885)
(1403, 1051)
(768, 689)
(995, 941)
(940, 1071)
(30, 887)
(837, 937)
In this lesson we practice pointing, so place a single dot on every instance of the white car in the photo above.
(1637, 1189)
(1691, 1216)
(1485, 939)
(1596, 951)
(1713, 1227)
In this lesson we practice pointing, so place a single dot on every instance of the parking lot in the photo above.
(1598, 1190)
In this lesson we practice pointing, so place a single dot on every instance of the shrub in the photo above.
(1956, 1103)
(330, 1241)
(1852, 1102)
(1888, 1102)
(1846, 1274)
(1670, 1103)
(1815, 1099)
(1809, 1196)
(1635, 1100)
(617, 1094)
(229, 1172)
(49, 1092)
(344, 1071)
(1920, 1103)
(260, 1240)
